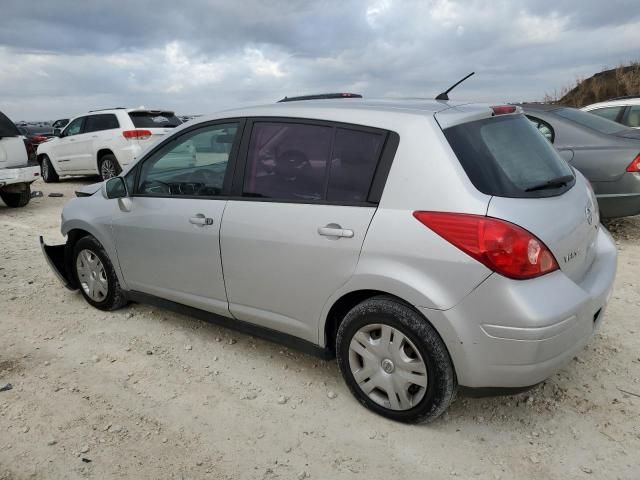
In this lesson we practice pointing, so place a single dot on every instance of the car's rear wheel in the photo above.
(17, 199)
(47, 172)
(394, 362)
(96, 276)
(109, 166)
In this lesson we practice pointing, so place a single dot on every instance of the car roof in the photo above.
(370, 112)
(614, 102)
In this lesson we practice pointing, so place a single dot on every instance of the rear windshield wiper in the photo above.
(549, 184)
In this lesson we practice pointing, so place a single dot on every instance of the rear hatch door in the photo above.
(13, 152)
(531, 185)
(157, 122)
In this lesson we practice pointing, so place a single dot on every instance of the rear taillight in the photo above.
(503, 109)
(634, 166)
(136, 134)
(502, 246)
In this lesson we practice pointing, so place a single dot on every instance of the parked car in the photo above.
(34, 136)
(16, 175)
(607, 153)
(60, 123)
(103, 142)
(624, 110)
(426, 245)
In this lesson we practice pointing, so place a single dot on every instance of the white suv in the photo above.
(624, 110)
(103, 142)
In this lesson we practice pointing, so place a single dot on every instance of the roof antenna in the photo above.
(444, 96)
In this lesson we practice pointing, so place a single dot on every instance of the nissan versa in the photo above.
(427, 245)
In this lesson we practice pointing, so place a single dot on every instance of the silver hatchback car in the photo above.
(426, 245)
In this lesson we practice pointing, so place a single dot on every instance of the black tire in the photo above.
(47, 172)
(111, 160)
(441, 379)
(115, 297)
(17, 199)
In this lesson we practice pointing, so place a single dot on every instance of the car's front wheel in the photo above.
(96, 276)
(394, 362)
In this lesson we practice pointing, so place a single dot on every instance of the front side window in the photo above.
(74, 128)
(287, 161)
(610, 113)
(194, 165)
(632, 117)
(97, 123)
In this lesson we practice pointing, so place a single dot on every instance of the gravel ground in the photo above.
(147, 394)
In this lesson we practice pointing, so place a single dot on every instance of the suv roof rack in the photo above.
(103, 109)
(320, 96)
(624, 97)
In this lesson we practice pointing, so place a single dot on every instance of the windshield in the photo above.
(506, 156)
(154, 119)
(590, 120)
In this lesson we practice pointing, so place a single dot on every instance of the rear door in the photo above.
(293, 234)
(531, 185)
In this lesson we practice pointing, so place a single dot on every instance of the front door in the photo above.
(168, 240)
(296, 235)
(70, 149)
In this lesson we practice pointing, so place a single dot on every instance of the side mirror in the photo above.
(115, 187)
(57, 132)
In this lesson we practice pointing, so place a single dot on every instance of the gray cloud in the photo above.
(65, 57)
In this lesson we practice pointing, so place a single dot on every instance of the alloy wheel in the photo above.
(108, 169)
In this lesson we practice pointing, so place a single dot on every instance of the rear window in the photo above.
(7, 127)
(506, 156)
(589, 120)
(154, 119)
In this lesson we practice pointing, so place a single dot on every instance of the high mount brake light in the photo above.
(634, 166)
(136, 134)
(501, 246)
(503, 109)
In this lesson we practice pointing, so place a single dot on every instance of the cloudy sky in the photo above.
(59, 58)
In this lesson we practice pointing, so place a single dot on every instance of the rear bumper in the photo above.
(509, 334)
(55, 257)
(9, 176)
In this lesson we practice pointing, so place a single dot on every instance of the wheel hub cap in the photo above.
(388, 367)
(92, 275)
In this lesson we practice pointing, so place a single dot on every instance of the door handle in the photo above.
(72, 139)
(201, 220)
(335, 230)
(94, 136)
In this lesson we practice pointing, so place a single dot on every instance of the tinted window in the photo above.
(353, 164)
(194, 165)
(154, 119)
(589, 120)
(610, 113)
(505, 156)
(287, 161)
(7, 127)
(74, 127)
(96, 123)
(632, 118)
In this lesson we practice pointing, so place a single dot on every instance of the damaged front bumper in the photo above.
(56, 258)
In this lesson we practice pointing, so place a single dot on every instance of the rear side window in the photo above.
(287, 161)
(304, 162)
(632, 117)
(7, 127)
(505, 156)
(96, 123)
(154, 119)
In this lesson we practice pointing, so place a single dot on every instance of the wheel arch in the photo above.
(101, 153)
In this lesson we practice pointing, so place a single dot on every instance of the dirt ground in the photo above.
(147, 394)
